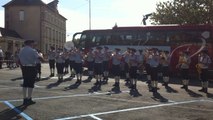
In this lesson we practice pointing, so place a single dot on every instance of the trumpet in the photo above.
(198, 67)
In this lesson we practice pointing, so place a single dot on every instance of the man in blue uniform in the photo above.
(28, 57)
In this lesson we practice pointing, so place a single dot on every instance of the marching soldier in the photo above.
(116, 69)
(126, 56)
(79, 65)
(72, 62)
(98, 65)
(90, 63)
(154, 62)
(28, 56)
(140, 63)
(60, 60)
(66, 64)
(51, 58)
(203, 63)
(147, 59)
(38, 65)
(165, 61)
(106, 58)
(183, 64)
(133, 65)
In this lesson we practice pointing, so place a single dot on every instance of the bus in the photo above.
(173, 38)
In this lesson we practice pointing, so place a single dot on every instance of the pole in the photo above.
(89, 14)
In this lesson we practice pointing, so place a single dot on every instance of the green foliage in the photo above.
(183, 12)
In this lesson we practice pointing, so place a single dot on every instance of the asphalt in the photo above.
(86, 101)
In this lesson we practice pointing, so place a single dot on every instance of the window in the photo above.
(21, 15)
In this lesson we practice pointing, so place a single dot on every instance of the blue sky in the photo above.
(105, 13)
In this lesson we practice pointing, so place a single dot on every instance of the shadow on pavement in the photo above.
(73, 86)
(170, 89)
(12, 114)
(135, 93)
(158, 97)
(193, 94)
(18, 78)
(95, 88)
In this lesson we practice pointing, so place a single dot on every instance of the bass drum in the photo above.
(69, 45)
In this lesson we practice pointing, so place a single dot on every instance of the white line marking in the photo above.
(129, 109)
(17, 110)
(68, 96)
(96, 118)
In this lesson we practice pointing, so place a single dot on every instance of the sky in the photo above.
(104, 13)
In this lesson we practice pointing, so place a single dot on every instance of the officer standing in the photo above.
(116, 69)
(165, 61)
(28, 56)
(183, 64)
(1, 57)
(106, 57)
(203, 63)
(60, 61)
(98, 65)
(90, 63)
(133, 66)
(51, 58)
(79, 65)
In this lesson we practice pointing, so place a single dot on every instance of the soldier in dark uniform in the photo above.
(126, 55)
(66, 64)
(51, 58)
(183, 65)
(98, 65)
(60, 61)
(28, 56)
(90, 63)
(116, 69)
(154, 62)
(165, 61)
(79, 56)
(203, 64)
(133, 67)
(106, 58)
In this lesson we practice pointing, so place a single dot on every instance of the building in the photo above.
(33, 19)
(10, 40)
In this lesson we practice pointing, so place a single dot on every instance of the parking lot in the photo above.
(86, 101)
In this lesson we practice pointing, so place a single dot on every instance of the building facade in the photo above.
(33, 19)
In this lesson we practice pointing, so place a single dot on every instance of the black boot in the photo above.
(30, 101)
(25, 101)
(201, 90)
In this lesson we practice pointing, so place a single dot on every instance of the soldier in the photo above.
(165, 61)
(72, 62)
(79, 65)
(116, 70)
(28, 56)
(140, 63)
(183, 65)
(60, 60)
(51, 57)
(90, 63)
(147, 56)
(106, 58)
(98, 65)
(203, 63)
(133, 66)
(66, 64)
(154, 62)
(126, 56)
(38, 65)
(1, 57)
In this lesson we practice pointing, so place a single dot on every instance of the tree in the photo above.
(183, 12)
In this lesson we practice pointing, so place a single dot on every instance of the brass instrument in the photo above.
(198, 67)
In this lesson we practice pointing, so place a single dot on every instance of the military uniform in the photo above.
(51, 58)
(133, 67)
(90, 63)
(203, 63)
(79, 65)
(98, 65)
(116, 69)
(60, 61)
(165, 61)
(183, 64)
(106, 58)
(28, 57)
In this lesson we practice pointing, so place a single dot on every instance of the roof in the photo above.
(24, 2)
(9, 33)
(52, 5)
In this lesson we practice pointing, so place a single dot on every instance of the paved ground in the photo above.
(88, 102)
